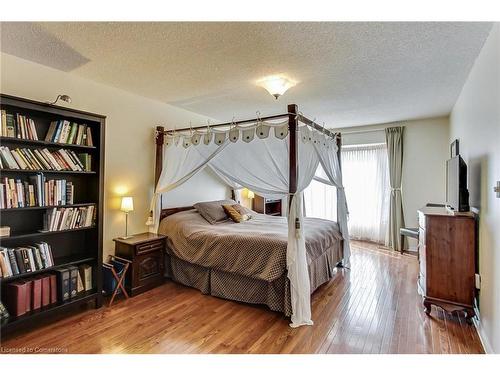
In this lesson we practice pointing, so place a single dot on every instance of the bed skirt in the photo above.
(274, 294)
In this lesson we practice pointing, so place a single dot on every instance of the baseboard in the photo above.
(482, 334)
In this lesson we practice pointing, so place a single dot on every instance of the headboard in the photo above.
(170, 211)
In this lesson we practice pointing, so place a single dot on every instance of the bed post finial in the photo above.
(293, 122)
(159, 139)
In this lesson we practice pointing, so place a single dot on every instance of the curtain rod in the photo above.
(364, 131)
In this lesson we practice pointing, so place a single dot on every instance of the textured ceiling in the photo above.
(348, 73)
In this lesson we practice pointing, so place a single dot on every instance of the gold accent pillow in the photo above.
(232, 210)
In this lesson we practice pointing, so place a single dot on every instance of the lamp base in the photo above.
(125, 237)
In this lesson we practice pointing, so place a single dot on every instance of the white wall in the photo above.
(475, 121)
(130, 123)
(204, 186)
(425, 151)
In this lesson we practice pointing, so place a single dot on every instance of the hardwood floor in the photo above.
(373, 307)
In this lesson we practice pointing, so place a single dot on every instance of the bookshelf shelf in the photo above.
(15, 209)
(69, 247)
(30, 142)
(40, 233)
(5, 170)
(59, 262)
(14, 323)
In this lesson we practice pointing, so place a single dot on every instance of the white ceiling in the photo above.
(349, 73)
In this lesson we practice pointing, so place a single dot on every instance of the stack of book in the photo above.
(37, 192)
(63, 131)
(68, 218)
(24, 296)
(19, 260)
(40, 159)
(17, 126)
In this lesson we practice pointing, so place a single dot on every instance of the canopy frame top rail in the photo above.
(299, 116)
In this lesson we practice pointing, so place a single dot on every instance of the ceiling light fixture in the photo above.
(276, 85)
(63, 97)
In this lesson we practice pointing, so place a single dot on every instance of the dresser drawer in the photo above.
(149, 247)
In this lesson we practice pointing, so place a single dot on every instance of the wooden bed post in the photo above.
(292, 151)
(159, 152)
(159, 139)
(338, 140)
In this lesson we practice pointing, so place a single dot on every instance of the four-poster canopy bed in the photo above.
(274, 261)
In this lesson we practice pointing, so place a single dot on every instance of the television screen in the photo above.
(457, 195)
(453, 182)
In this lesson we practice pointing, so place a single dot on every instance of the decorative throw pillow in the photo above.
(213, 211)
(234, 212)
(243, 210)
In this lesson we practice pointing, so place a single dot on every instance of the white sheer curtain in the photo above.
(366, 180)
(366, 183)
(328, 158)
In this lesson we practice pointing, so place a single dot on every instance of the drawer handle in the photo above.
(150, 246)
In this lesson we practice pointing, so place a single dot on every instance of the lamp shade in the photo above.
(250, 194)
(127, 204)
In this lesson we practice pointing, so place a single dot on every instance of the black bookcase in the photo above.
(69, 247)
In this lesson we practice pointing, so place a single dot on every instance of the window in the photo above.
(366, 182)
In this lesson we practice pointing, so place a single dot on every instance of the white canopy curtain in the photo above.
(328, 157)
(261, 164)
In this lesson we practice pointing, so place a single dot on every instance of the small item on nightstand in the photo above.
(127, 206)
(4, 231)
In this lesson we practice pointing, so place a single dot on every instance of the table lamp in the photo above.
(250, 194)
(127, 206)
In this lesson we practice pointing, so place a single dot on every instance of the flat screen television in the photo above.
(457, 195)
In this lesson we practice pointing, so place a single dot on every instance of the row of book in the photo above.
(37, 192)
(17, 126)
(61, 285)
(57, 219)
(60, 131)
(20, 260)
(40, 159)
(63, 131)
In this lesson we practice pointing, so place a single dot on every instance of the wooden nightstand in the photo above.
(145, 251)
(267, 206)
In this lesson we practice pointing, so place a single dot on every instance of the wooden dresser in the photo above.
(145, 251)
(447, 256)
